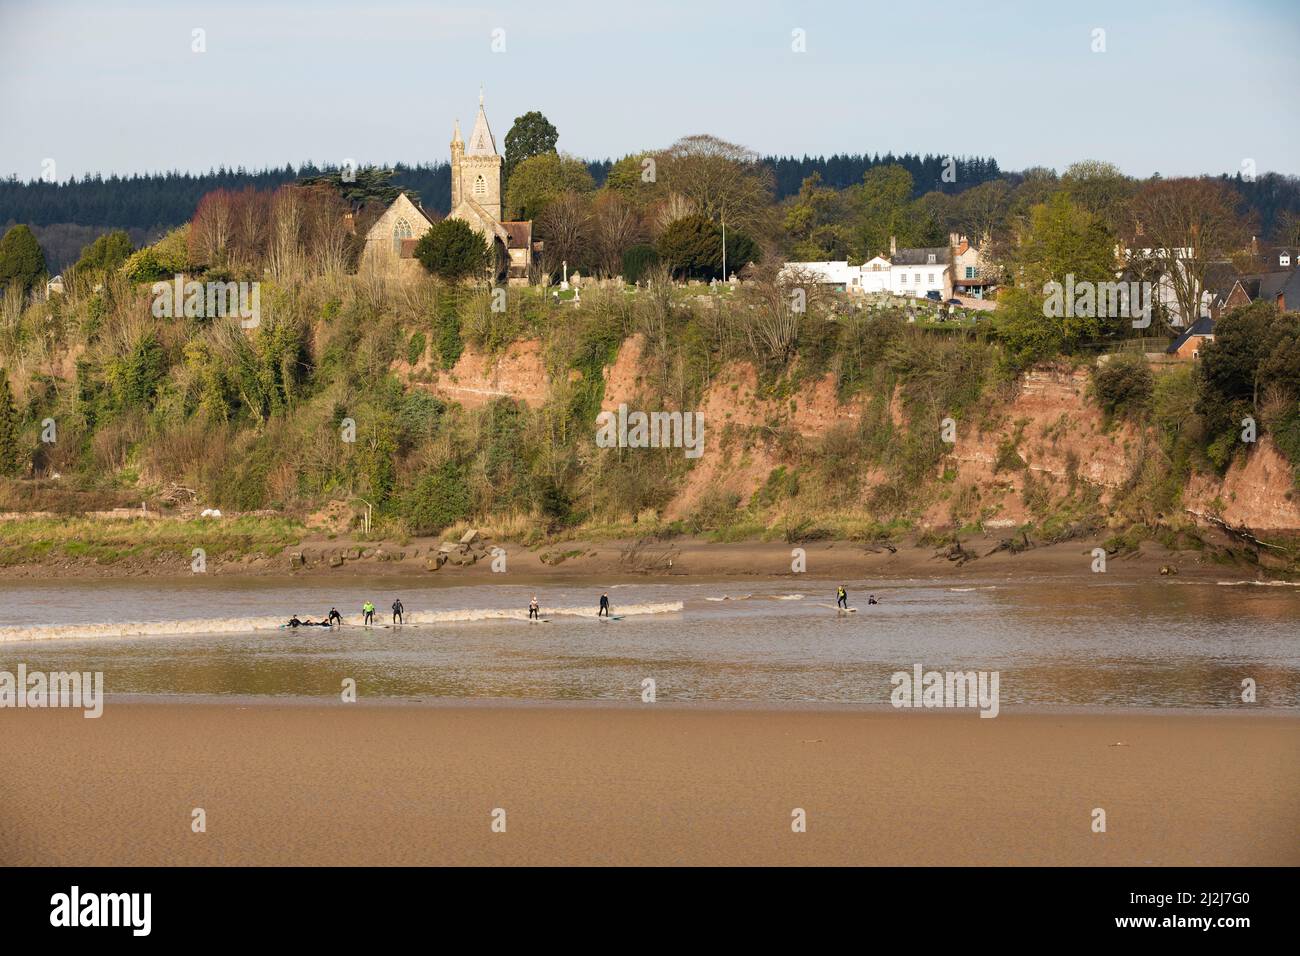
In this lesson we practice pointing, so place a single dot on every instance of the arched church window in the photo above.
(401, 230)
(480, 187)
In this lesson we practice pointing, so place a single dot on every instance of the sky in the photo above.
(1180, 88)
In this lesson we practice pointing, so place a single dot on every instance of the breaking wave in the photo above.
(1259, 584)
(243, 625)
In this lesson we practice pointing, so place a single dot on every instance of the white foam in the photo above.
(243, 625)
(1259, 584)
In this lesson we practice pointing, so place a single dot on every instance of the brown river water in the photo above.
(1053, 642)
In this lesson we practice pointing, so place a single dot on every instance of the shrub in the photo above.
(1123, 386)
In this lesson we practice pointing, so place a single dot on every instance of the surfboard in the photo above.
(836, 607)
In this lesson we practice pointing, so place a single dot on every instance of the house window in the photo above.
(401, 230)
(970, 272)
(902, 279)
(918, 278)
(930, 260)
(480, 187)
(1284, 259)
(931, 278)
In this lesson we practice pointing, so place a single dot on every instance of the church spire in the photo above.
(481, 142)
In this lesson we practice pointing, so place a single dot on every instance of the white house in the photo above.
(918, 272)
(839, 275)
(875, 275)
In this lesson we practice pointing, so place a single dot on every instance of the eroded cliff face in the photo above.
(1047, 439)
(1258, 491)
(478, 379)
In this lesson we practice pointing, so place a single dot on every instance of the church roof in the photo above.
(481, 142)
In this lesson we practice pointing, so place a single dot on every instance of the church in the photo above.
(476, 198)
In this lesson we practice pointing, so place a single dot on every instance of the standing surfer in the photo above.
(397, 612)
(534, 609)
(368, 610)
(604, 606)
(842, 598)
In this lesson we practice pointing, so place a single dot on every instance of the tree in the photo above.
(1185, 225)
(616, 228)
(10, 438)
(692, 248)
(439, 499)
(565, 228)
(725, 182)
(1102, 189)
(370, 184)
(777, 305)
(636, 179)
(1256, 350)
(452, 250)
(211, 228)
(1058, 240)
(105, 254)
(21, 259)
(539, 180)
(638, 261)
(815, 222)
(884, 210)
(531, 135)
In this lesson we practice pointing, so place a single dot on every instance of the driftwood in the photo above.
(1241, 531)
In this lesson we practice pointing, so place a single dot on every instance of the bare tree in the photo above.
(617, 227)
(288, 224)
(329, 230)
(726, 182)
(774, 308)
(212, 227)
(565, 225)
(250, 227)
(1179, 228)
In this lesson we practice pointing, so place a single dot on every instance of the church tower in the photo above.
(457, 156)
(476, 171)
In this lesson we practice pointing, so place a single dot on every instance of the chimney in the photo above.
(893, 247)
(954, 239)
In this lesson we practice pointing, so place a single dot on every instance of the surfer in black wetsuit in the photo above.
(604, 606)
(534, 609)
(294, 622)
(872, 600)
(397, 612)
(334, 617)
(842, 598)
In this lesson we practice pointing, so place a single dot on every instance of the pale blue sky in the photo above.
(1185, 86)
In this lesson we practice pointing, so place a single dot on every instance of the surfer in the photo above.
(334, 617)
(368, 611)
(397, 612)
(872, 600)
(534, 609)
(294, 622)
(842, 598)
(604, 606)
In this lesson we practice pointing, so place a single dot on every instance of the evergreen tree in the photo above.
(21, 259)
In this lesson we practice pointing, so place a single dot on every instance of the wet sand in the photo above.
(311, 783)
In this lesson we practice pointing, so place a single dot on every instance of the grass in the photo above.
(111, 541)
